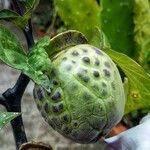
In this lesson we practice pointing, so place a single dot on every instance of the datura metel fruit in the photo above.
(87, 97)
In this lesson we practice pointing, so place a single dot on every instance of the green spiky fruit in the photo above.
(87, 97)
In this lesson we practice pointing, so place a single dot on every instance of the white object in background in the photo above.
(4, 4)
(136, 138)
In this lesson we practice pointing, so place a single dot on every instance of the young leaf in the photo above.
(117, 23)
(138, 81)
(12, 53)
(82, 16)
(6, 117)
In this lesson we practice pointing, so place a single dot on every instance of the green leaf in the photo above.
(100, 40)
(117, 23)
(40, 63)
(12, 53)
(144, 58)
(30, 5)
(20, 21)
(14, 17)
(8, 14)
(6, 117)
(11, 50)
(82, 16)
(138, 86)
(142, 31)
(141, 21)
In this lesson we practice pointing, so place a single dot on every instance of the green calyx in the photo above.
(64, 40)
(46, 49)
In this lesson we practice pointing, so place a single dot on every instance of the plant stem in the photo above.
(11, 98)
(28, 34)
(3, 101)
